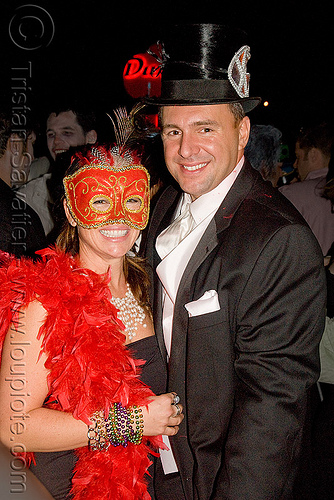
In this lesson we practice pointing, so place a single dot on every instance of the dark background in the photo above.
(80, 49)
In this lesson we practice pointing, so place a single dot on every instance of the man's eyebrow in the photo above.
(169, 125)
(199, 123)
(62, 128)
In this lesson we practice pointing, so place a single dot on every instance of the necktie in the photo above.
(175, 232)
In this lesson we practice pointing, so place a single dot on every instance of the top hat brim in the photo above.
(248, 103)
(200, 92)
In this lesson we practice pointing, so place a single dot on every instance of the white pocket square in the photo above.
(208, 303)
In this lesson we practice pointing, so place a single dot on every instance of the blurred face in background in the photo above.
(63, 131)
(302, 162)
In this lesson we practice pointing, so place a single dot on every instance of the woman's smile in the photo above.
(114, 233)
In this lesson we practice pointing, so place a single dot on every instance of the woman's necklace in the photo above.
(129, 312)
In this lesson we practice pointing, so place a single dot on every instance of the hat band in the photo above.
(198, 90)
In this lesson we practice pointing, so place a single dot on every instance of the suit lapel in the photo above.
(241, 188)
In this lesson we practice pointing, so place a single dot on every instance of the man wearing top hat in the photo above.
(239, 288)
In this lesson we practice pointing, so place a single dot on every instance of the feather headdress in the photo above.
(126, 150)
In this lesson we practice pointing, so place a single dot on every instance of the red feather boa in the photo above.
(89, 366)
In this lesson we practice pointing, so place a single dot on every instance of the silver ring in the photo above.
(176, 399)
(178, 410)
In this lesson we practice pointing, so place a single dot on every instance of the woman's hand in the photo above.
(162, 415)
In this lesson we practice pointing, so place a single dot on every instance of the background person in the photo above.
(21, 231)
(313, 152)
(263, 151)
(323, 422)
(67, 125)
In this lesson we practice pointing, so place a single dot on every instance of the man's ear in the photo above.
(91, 137)
(68, 214)
(314, 155)
(244, 130)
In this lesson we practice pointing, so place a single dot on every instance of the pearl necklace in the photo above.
(129, 312)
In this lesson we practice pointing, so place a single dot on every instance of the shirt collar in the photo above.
(321, 172)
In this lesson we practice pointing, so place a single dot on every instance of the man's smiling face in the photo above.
(202, 145)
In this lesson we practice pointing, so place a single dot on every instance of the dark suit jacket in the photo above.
(242, 372)
(21, 230)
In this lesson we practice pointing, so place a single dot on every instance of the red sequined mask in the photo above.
(98, 195)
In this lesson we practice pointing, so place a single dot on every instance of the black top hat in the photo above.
(204, 64)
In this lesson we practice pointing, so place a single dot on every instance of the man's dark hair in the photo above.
(319, 136)
(86, 118)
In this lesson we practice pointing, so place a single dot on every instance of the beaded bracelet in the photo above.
(97, 437)
(118, 425)
(136, 418)
(122, 426)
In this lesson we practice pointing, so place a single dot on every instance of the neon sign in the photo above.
(142, 76)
